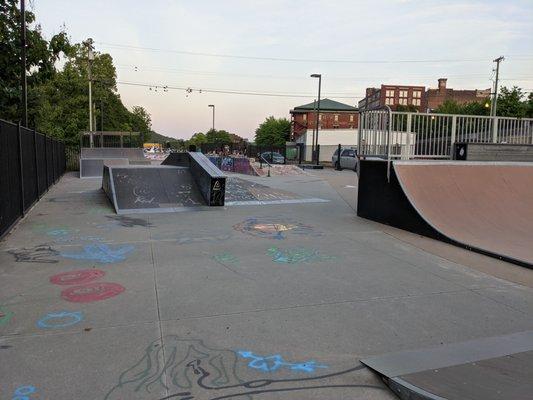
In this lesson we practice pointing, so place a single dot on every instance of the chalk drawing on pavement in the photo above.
(22, 392)
(5, 316)
(226, 258)
(296, 255)
(77, 277)
(274, 228)
(91, 292)
(101, 253)
(188, 369)
(38, 254)
(60, 319)
(276, 361)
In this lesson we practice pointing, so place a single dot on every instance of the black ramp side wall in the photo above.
(385, 202)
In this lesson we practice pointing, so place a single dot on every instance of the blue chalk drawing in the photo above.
(60, 319)
(274, 362)
(296, 255)
(101, 253)
(21, 392)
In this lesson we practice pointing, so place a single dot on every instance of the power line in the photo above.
(315, 60)
(138, 68)
(165, 88)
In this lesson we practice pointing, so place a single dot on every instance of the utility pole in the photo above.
(319, 76)
(213, 107)
(90, 58)
(23, 81)
(493, 109)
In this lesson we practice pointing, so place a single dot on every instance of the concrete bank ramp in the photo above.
(484, 206)
(92, 160)
(139, 189)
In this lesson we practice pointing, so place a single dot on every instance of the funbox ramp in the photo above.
(483, 206)
(186, 180)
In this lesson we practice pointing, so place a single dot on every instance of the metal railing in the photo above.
(404, 135)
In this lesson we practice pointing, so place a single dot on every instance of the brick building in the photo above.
(393, 96)
(333, 115)
(435, 97)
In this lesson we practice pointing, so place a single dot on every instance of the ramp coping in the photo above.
(411, 361)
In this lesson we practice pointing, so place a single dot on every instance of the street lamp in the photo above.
(213, 106)
(319, 76)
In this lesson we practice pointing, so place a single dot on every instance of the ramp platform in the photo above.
(484, 369)
(483, 206)
(92, 160)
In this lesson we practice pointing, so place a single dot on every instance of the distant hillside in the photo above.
(158, 138)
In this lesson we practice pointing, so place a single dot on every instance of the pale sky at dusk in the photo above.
(464, 36)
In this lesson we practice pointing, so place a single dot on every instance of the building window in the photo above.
(305, 117)
(417, 94)
(336, 117)
(403, 93)
(320, 117)
(402, 101)
(389, 101)
(389, 92)
(416, 102)
(351, 118)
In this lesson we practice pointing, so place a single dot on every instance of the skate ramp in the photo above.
(483, 206)
(92, 160)
(138, 189)
(491, 368)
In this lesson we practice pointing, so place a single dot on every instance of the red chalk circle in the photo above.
(90, 292)
(77, 277)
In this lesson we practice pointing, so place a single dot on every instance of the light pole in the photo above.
(319, 76)
(213, 107)
(24, 97)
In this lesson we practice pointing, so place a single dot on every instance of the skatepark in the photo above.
(178, 281)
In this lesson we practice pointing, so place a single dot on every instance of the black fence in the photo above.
(29, 164)
(290, 154)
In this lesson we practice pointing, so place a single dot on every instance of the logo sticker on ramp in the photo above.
(216, 185)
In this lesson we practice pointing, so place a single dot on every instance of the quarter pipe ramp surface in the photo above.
(487, 207)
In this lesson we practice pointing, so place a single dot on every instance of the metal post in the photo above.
(35, 160)
(409, 132)
(319, 76)
(338, 166)
(90, 58)
(494, 129)
(213, 107)
(46, 159)
(21, 168)
(453, 135)
(313, 137)
(23, 80)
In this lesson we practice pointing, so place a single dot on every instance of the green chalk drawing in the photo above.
(226, 258)
(296, 255)
(5, 316)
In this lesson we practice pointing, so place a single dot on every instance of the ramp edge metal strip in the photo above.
(411, 361)
(407, 391)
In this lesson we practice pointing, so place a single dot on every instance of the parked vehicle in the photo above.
(273, 157)
(348, 158)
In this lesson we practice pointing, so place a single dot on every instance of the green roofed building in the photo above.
(337, 124)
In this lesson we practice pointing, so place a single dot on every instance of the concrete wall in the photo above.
(494, 152)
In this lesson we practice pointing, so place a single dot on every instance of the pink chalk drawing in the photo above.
(77, 277)
(91, 292)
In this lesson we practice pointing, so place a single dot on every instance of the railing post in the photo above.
(453, 134)
(53, 162)
(495, 130)
(36, 165)
(46, 160)
(21, 168)
(409, 132)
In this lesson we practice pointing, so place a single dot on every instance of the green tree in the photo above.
(197, 139)
(219, 138)
(141, 122)
(273, 132)
(41, 56)
(510, 102)
(473, 108)
(529, 106)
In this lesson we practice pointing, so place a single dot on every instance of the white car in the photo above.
(348, 158)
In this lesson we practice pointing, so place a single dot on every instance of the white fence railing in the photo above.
(391, 134)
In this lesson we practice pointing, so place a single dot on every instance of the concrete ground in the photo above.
(252, 302)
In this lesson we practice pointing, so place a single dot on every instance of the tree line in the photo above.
(58, 102)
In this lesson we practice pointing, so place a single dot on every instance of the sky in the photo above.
(271, 47)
